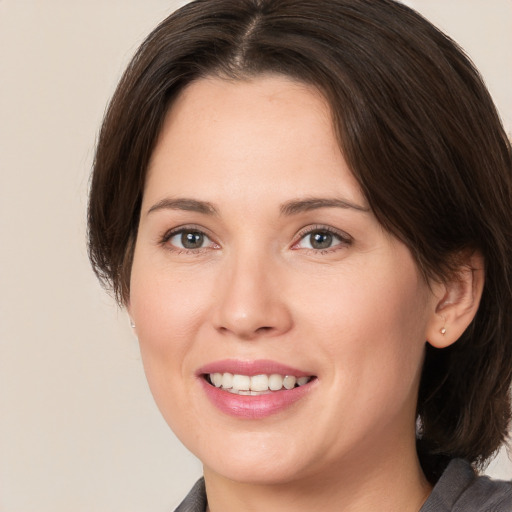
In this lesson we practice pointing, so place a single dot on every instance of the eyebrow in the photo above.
(314, 203)
(289, 208)
(190, 205)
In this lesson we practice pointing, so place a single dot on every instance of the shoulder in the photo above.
(460, 490)
(485, 495)
(195, 500)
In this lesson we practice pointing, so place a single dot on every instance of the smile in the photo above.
(256, 384)
(253, 390)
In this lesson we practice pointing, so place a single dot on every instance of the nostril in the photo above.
(250, 318)
(263, 329)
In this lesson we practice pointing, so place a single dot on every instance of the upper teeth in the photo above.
(257, 384)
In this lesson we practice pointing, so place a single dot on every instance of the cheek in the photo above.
(167, 307)
(371, 321)
(373, 338)
(167, 311)
(358, 302)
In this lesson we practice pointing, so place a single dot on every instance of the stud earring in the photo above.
(443, 331)
(132, 324)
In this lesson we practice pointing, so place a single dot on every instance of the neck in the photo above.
(392, 483)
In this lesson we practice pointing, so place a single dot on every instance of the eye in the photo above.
(188, 240)
(322, 239)
(319, 240)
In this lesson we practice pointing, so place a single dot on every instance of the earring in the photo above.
(132, 324)
(443, 331)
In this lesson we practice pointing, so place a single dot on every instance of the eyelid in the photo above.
(170, 233)
(345, 238)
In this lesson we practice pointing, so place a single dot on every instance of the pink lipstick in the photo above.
(254, 389)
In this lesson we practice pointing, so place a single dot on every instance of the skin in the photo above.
(356, 315)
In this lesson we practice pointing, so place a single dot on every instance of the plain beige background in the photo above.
(78, 428)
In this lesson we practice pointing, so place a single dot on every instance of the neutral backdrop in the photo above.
(78, 428)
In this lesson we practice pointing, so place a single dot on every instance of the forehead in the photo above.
(232, 135)
(271, 90)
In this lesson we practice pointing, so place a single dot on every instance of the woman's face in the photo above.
(257, 256)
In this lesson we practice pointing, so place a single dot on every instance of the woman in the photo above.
(305, 208)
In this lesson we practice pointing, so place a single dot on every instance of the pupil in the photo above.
(192, 240)
(321, 240)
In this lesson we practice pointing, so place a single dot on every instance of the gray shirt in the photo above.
(458, 490)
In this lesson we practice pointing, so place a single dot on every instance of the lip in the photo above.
(259, 406)
(251, 368)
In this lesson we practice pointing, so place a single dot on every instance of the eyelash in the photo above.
(183, 250)
(345, 240)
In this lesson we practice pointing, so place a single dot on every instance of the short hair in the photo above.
(419, 132)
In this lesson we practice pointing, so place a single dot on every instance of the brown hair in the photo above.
(416, 126)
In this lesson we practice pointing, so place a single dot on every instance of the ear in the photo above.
(457, 302)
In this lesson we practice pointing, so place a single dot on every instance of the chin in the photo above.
(253, 458)
(256, 472)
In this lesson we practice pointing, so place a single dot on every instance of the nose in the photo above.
(252, 300)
